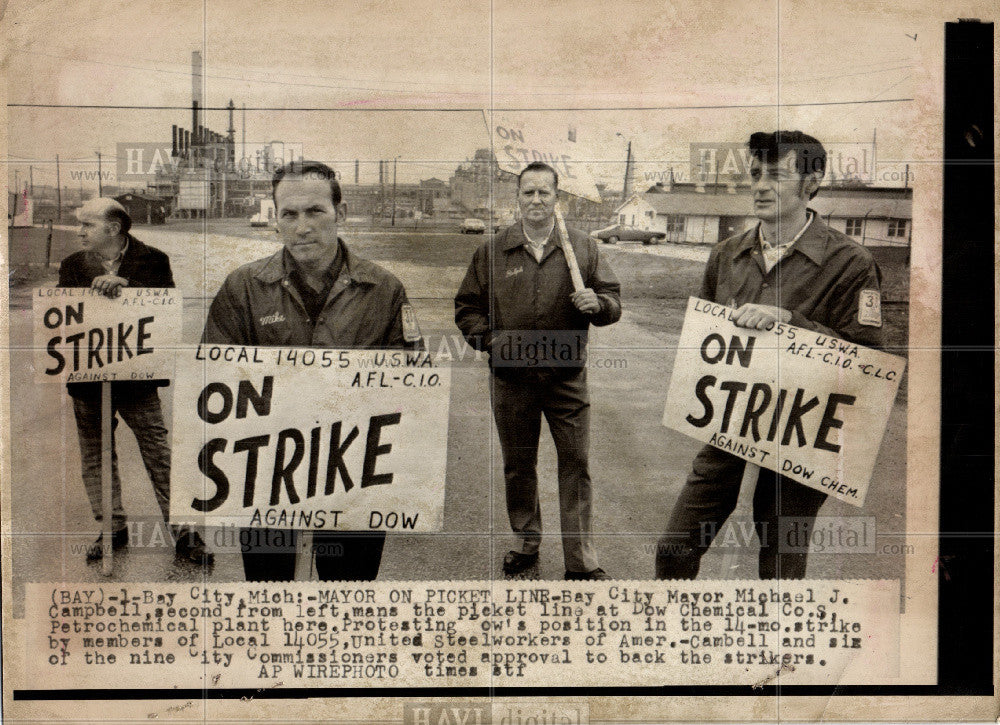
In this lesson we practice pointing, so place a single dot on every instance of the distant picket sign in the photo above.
(82, 336)
(805, 404)
(313, 439)
(517, 142)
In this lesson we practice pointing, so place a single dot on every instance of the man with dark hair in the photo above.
(790, 268)
(110, 260)
(517, 302)
(314, 292)
(307, 170)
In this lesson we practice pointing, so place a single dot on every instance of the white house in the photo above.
(707, 213)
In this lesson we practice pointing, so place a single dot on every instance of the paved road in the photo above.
(637, 465)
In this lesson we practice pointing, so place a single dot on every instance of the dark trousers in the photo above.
(710, 495)
(518, 406)
(143, 415)
(269, 554)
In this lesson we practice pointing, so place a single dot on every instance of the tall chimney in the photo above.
(173, 141)
(197, 87)
(231, 131)
(194, 120)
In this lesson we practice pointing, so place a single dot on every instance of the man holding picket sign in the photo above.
(112, 259)
(314, 292)
(528, 299)
(788, 269)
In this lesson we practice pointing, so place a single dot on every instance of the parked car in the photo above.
(473, 226)
(620, 233)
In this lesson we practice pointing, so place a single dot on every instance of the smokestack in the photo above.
(194, 119)
(187, 142)
(173, 141)
(197, 88)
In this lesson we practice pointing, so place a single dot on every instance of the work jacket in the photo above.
(509, 301)
(258, 304)
(141, 266)
(824, 280)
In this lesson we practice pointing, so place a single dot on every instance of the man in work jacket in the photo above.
(790, 268)
(312, 293)
(517, 302)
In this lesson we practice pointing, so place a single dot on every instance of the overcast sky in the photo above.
(707, 72)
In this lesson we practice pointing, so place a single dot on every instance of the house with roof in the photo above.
(144, 209)
(707, 213)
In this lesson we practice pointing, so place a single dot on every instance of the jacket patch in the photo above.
(411, 328)
(516, 270)
(870, 308)
(272, 318)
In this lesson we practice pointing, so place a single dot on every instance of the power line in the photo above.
(417, 88)
(321, 109)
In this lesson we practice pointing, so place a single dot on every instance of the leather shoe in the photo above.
(190, 546)
(119, 540)
(515, 562)
(593, 575)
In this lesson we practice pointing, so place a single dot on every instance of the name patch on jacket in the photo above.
(516, 270)
(870, 308)
(272, 318)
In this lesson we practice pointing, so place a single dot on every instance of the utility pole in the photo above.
(394, 190)
(100, 186)
(381, 189)
(58, 193)
(628, 168)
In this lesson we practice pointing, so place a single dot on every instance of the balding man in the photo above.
(111, 259)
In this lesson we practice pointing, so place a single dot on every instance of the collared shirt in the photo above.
(111, 266)
(773, 253)
(259, 305)
(823, 280)
(537, 249)
(142, 266)
(506, 292)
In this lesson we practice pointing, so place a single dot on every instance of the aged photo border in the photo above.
(967, 497)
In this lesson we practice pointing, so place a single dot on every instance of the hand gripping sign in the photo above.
(312, 439)
(82, 336)
(805, 404)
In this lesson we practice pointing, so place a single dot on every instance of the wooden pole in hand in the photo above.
(574, 268)
(107, 508)
(750, 473)
(303, 556)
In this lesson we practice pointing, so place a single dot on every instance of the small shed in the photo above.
(143, 209)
